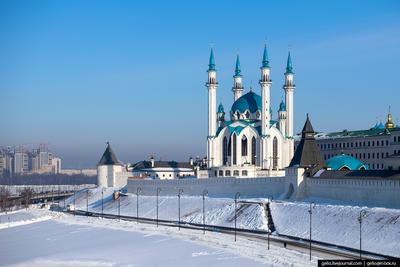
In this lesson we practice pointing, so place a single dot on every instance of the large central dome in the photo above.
(250, 101)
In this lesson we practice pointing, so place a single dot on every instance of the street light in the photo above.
(119, 206)
(87, 202)
(138, 190)
(363, 213)
(237, 195)
(74, 199)
(158, 192)
(179, 208)
(270, 198)
(102, 203)
(312, 206)
(205, 193)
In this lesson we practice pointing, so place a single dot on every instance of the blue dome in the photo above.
(250, 101)
(344, 162)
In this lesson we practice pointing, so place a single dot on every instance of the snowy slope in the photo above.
(218, 211)
(338, 224)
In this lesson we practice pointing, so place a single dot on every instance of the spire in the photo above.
(307, 154)
(109, 157)
(389, 124)
(289, 67)
(307, 127)
(211, 64)
(238, 71)
(265, 61)
(221, 108)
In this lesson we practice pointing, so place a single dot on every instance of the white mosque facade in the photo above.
(251, 142)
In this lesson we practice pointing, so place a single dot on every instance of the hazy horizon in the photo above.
(76, 74)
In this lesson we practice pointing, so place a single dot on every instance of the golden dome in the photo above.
(389, 124)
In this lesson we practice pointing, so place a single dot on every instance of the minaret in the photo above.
(282, 117)
(265, 83)
(289, 87)
(237, 88)
(211, 85)
(221, 116)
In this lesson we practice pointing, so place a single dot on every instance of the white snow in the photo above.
(338, 224)
(68, 240)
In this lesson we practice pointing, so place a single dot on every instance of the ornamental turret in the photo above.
(221, 116)
(282, 117)
(389, 123)
(237, 88)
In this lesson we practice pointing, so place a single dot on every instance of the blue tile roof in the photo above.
(341, 161)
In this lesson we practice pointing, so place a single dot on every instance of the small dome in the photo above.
(250, 101)
(221, 108)
(345, 162)
(282, 106)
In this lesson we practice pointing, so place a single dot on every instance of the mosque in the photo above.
(250, 142)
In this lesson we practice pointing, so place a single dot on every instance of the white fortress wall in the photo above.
(217, 187)
(371, 192)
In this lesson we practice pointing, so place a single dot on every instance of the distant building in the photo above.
(56, 164)
(162, 169)
(370, 146)
(20, 161)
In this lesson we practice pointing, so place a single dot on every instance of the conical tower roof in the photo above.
(211, 64)
(289, 67)
(109, 157)
(265, 61)
(307, 154)
(238, 70)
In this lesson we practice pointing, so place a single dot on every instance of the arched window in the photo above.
(244, 146)
(225, 150)
(234, 148)
(229, 147)
(247, 114)
(275, 153)
(253, 150)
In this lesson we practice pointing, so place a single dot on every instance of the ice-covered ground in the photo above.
(335, 224)
(67, 240)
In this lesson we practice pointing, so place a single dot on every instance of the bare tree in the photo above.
(26, 195)
(4, 198)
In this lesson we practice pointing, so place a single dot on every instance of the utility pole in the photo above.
(205, 193)
(363, 213)
(179, 208)
(312, 206)
(237, 195)
(158, 192)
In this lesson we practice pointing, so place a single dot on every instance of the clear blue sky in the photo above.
(75, 74)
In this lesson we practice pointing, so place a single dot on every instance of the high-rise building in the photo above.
(20, 161)
(56, 163)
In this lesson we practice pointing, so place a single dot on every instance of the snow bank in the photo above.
(21, 217)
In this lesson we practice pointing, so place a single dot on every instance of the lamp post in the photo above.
(102, 203)
(363, 213)
(87, 202)
(138, 190)
(312, 206)
(237, 195)
(270, 198)
(179, 208)
(205, 193)
(119, 206)
(74, 199)
(52, 195)
(158, 192)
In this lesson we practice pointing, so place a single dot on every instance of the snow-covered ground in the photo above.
(67, 240)
(218, 211)
(335, 224)
(338, 224)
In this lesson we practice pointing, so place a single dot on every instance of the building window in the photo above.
(227, 173)
(221, 173)
(244, 146)
(275, 153)
(234, 148)
(377, 155)
(369, 155)
(235, 173)
(244, 173)
(369, 143)
(387, 142)
(253, 151)
(382, 143)
(225, 150)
